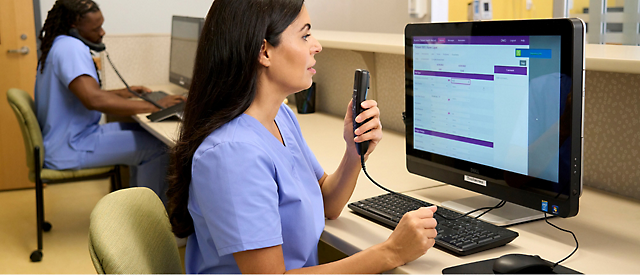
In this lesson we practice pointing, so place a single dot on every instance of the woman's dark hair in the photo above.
(224, 83)
(59, 20)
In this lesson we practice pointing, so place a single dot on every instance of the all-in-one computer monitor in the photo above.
(185, 32)
(496, 107)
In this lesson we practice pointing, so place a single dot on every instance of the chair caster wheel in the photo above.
(46, 226)
(36, 256)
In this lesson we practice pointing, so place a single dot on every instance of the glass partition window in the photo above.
(605, 20)
(614, 22)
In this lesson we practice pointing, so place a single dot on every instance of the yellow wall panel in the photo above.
(505, 9)
(458, 10)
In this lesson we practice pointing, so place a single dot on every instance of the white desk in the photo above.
(166, 131)
(606, 227)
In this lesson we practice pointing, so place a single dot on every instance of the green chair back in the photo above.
(129, 232)
(24, 109)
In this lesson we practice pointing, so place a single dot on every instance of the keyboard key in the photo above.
(467, 245)
(378, 212)
(484, 240)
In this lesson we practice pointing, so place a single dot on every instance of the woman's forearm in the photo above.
(338, 187)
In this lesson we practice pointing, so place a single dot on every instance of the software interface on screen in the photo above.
(492, 100)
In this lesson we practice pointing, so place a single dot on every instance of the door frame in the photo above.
(37, 20)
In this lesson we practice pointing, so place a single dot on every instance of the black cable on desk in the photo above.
(568, 231)
(500, 204)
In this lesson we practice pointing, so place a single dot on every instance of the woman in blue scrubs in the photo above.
(245, 187)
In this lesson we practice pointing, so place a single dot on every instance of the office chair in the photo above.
(24, 108)
(129, 232)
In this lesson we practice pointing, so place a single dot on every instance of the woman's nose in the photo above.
(316, 48)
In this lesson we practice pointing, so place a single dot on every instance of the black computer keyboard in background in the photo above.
(463, 236)
(155, 96)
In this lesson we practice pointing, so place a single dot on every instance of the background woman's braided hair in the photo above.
(59, 20)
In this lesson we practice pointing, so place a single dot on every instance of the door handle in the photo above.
(24, 50)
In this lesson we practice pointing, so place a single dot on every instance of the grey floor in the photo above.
(67, 208)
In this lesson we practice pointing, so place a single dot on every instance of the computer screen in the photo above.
(496, 107)
(185, 32)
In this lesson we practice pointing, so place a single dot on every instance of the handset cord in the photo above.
(500, 204)
(127, 85)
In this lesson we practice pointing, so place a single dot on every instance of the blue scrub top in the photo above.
(249, 191)
(68, 128)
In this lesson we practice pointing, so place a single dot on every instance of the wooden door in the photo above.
(17, 70)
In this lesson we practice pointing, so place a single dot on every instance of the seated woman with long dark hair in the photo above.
(245, 188)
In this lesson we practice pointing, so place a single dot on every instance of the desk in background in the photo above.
(165, 131)
(606, 226)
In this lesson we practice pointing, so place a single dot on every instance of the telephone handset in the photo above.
(360, 89)
(97, 47)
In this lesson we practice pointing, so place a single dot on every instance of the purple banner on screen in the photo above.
(454, 137)
(510, 70)
(477, 40)
(456, 75)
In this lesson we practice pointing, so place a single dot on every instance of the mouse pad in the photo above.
(486, 267)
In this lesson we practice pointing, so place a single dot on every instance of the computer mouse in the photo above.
(522, 264)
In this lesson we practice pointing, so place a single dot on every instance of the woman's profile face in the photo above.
(292, 60)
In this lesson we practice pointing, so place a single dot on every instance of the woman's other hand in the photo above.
(413, 236)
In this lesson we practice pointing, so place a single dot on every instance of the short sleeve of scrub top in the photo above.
(75, 60)
(248, 191)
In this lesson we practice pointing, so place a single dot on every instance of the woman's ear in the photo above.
(264, 54)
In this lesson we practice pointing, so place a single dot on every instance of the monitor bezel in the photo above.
(175, 78)
(571, 32)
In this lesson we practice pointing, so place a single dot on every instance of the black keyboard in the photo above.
(155, 96)
(462, 236)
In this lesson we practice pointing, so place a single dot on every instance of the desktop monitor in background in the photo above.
(185, 32)
(496, 107)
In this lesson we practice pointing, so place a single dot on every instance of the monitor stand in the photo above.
(509, 214)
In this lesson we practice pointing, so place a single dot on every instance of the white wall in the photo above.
(154, 16)
(141, 16)
(386, 16)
